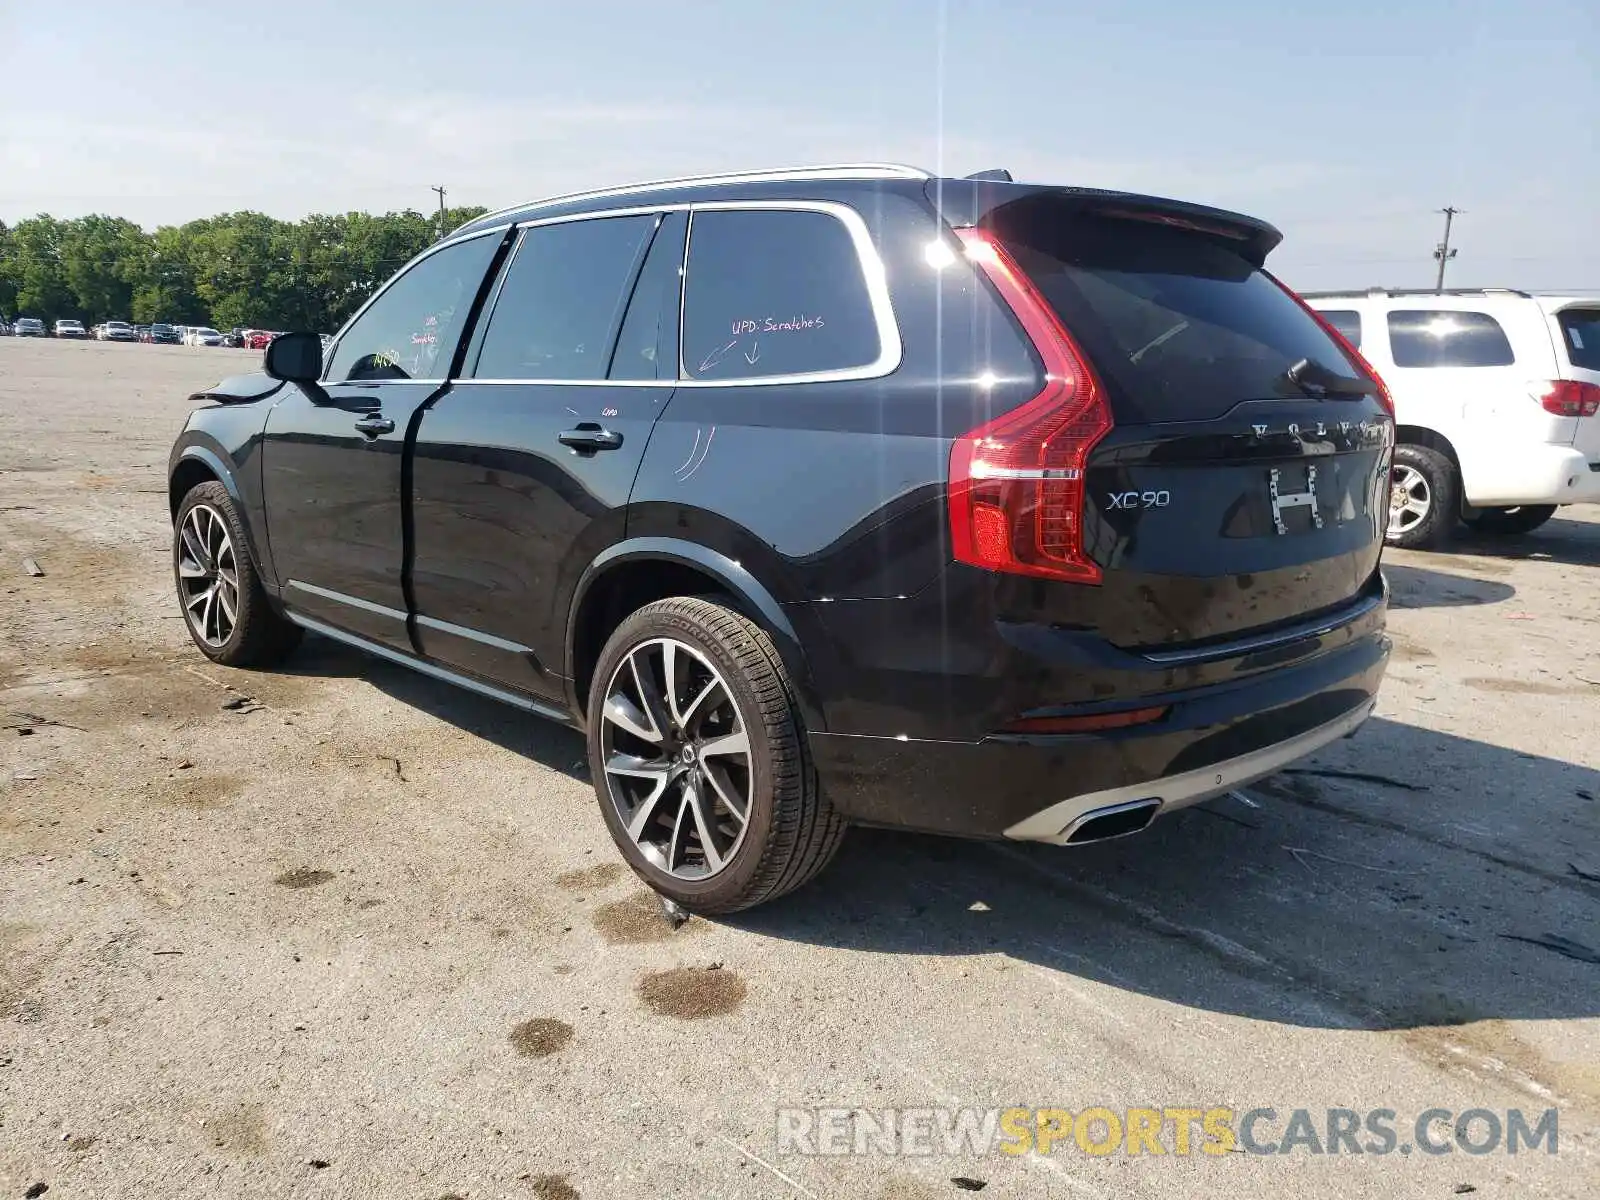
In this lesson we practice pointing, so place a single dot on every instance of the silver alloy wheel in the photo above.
(1410, 498)
(208, 575)
(677, 758)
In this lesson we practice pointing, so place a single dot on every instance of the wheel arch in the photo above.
(1421, 435)
(195, 465)
(638, 571)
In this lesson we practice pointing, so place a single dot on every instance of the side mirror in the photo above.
(295, 357)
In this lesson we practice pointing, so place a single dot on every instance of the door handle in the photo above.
(375, 424)
(588, 437)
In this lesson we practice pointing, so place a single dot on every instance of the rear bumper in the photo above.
(1058, 823)
(1213, 739)
(1533, 475)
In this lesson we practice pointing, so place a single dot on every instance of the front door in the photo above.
(523, 469)
(332, 456)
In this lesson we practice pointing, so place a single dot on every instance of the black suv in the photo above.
(826, 496)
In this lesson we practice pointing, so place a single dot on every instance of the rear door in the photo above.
(332, 455)
(1243, 482)
(521, 473)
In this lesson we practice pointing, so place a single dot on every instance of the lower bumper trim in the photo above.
(1057, 823)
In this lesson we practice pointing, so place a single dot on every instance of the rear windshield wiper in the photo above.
(1314, 379)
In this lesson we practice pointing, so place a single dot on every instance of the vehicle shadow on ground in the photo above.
(1402, 879)
(544, 741)
(1329, 901)
(1413, 586)
(1575, 543)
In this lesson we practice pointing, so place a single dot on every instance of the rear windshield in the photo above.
(1580, 329)
(1179, 325)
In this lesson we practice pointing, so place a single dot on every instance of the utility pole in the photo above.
(443, 231)
(1442, 253)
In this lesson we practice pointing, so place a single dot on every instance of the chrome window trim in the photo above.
(891, 350)
(826, 173)
(329, 354)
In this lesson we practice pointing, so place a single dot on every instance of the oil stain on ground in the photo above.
(638, 918)
(590, 878)
(303, 877)
(552, 1187)
(693, 993)
(241, 1130)
(540, 1037)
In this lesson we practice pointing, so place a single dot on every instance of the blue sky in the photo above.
(1346, 124)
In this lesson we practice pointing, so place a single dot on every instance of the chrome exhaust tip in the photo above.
(1113, 821)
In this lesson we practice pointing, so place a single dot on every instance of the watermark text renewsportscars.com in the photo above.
(1180, 1131)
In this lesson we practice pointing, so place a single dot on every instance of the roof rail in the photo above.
(1381, 291)
(776, 175)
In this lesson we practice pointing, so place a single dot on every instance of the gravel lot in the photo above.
(365, 936)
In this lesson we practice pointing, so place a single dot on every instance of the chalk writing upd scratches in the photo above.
(743, 327)
(794, 324)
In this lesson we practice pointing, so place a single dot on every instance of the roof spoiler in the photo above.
(988, 202)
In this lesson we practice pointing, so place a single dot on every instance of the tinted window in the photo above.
(411, 330)
(1580, 329)
(1347, 321)
(558, 310)
(649, 337)
(774, 293)
(1179, 325)
(1430, 338)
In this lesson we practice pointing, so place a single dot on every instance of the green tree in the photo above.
(165, 291)
(36, 270)
(103, 260)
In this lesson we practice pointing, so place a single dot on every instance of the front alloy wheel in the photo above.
(676, 759)
(208, 575)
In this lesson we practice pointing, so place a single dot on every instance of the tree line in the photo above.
(235, 269)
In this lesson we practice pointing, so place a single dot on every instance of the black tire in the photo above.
(259, 635)
(1436, 483)
(790, 832)
(1524, 518)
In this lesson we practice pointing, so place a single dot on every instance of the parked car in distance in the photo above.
(5, 327)
(141, 333)
(165, 335)
(834, 495)
(258, 339)
(201, 335)
(28, 327)
(118, 331)
(234, 338)
(1497, 404)
(70, 329)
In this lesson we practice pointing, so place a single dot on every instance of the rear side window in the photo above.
(1440, 338)
(1580, 330)
(562, 299)
(1347, 321)
(1178, 325)
(774, 292)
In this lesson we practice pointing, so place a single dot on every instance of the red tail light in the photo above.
(1569, 398)
(1017, 482)
(1344, 343)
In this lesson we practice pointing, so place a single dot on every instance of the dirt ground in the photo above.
(337, 930)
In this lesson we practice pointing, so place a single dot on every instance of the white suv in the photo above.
(1496, 397)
